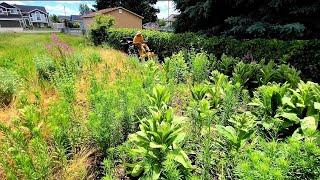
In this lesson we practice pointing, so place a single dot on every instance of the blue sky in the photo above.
(72, 7)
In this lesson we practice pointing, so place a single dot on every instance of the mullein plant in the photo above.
(301, 109)
(158, 143)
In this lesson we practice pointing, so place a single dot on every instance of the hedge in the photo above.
(304, 55)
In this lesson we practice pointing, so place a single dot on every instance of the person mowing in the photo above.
(139, 41)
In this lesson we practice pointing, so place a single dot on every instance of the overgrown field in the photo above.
(73, 111)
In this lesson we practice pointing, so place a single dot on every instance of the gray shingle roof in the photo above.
(75, 18)
(30, 8)
(6, 5)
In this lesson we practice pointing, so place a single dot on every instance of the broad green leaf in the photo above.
(156, 171)
(137, 170)
(317, 105)
(228, 132)
(254, 104)
(155, 145)
(287, 101)
(290, 116)
(308, 125)
(296, 135)
(181, 157)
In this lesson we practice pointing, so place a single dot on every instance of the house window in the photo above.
(120, 11)
(38, 16)
(13, 11)
(1, 11)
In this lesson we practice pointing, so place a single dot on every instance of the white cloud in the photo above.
(61, 10)
(163, 7)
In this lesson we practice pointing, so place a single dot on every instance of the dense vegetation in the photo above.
(302, 54)
(250, 19)
(70, 107)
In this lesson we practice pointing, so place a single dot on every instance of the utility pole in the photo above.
(168, 9)
(64, 8)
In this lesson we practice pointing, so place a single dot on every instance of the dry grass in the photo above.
(113, 63)
(78, 166)
(2, 175)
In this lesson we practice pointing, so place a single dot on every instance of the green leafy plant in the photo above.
(288, 74)
(158, 141)
(176, 68)
(45, 67)
(8, 86)
(300, 106)
(227, 64)
(199, 67)
(95, 57)
(246, 74)
(279, 160)
(243, 127)
(266, 102)
(24, 151)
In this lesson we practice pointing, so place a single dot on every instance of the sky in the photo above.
(72, 7)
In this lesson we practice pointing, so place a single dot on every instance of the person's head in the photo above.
(138, 33)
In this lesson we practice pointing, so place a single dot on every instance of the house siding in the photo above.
(126, 19)
(122, 20)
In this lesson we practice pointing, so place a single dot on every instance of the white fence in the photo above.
(58, 26)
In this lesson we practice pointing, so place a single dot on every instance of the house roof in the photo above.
(31, 8)
(172, 17)
(75, 17)
(6, 5)
(103, 11)
(63, 17)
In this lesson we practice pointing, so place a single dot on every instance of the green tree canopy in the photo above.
(84, 9)
(250, 18)
(55, 19)
(142, 7)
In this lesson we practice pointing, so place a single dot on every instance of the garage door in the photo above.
(9, 23)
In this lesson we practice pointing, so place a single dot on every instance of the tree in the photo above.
(84, 9)
(55, 19)
(162, 22)
(141, 7)
(250, 18)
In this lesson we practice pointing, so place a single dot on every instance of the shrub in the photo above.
(8, 86)
(98, 30)
(302, 54)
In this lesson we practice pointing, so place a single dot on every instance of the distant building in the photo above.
(123, 18)
(169, 21)
(35, 16)
(63, 18)
(151, 25)
(77, 19)
(16, 17)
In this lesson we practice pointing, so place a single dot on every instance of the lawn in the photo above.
(71, 110)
